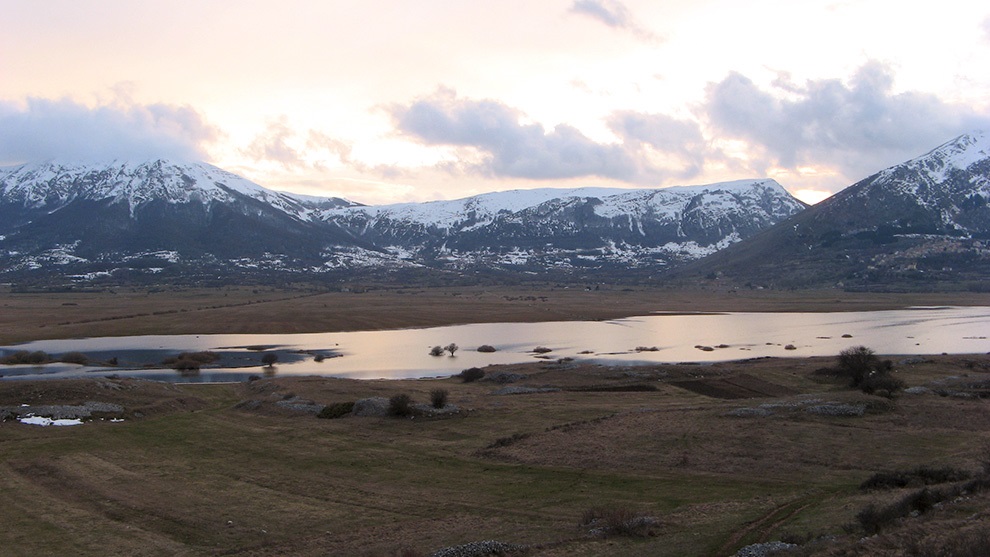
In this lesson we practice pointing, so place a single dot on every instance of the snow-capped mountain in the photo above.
(920, 223)
(581, 226)
(52, 185)
(72, 218)
(129, 219)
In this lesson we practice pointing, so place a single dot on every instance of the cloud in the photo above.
(508, 148)
(613, 14)
(42, 129)
(511, 149)
(667, 136)
(858, 127)
(321, 141)
(986, 29)
(273, 145)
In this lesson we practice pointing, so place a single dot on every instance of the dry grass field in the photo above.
(672, 459)
(33, 316)
(227, 470)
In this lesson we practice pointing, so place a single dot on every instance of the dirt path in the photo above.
(765, 525)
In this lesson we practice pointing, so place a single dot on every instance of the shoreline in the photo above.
(243, 310)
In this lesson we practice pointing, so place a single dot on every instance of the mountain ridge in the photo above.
(924, 223)
(76, 220)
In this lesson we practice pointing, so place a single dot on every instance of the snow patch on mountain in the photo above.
(482, 208)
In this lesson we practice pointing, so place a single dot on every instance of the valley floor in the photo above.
(705, 459)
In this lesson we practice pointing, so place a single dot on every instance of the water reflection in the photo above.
(405, 353)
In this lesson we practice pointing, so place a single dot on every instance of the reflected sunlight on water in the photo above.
(679, 338)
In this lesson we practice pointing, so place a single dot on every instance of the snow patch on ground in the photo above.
(45, 422)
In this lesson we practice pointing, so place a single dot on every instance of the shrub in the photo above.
(874, 518)
(185, 364)
(25, 357)
(336, 410)
(400, 406)
(74, 358)
(966, 543)
(542, 350)
(922, 475)
(190, 359)
(858, 362)
(438, 398)
(882, 384)
(618, 522)
(269, 358)
(436, 351)
(486, 348)
(471, 374)
(506, 441)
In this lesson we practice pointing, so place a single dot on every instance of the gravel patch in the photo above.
(484, 548)
(297, 404)
(371, 407)
(428, 410)
(764, 549)
(62, 411)
(503, 377)
(750, 412)
(841, 410)
(524, 390)
(918, 390)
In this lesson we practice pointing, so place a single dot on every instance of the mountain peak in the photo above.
(915, 224)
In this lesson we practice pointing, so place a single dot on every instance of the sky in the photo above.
(387, 101)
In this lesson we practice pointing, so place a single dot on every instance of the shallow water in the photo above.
(405, 353)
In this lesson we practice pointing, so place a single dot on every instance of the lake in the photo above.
(397, 354)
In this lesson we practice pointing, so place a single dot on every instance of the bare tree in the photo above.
(451, 348)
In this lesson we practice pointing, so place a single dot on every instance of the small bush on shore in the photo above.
(190, 361)
(74, 358)
(471, 374)
(23, 357)
(861, 366)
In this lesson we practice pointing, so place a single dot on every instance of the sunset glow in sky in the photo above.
(386, 101)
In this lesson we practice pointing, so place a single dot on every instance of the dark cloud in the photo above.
(611, 13)
(41, 129)
(513, 149)
(859, 127)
